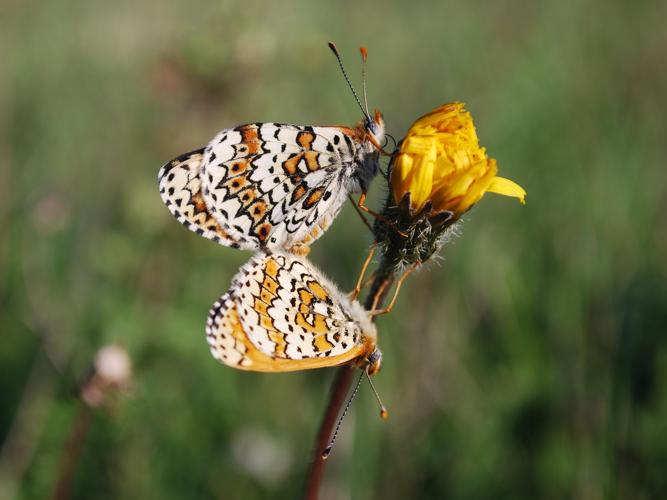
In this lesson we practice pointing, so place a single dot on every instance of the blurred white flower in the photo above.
(261, 455)
(112, 370)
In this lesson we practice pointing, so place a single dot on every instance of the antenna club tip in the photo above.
(326, 453)
(333, 47)
(364, 53)
(384, 414)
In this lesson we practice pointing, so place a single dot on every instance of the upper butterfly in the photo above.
(270, 185)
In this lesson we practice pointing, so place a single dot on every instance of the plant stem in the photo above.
(338, 392)
(72, 453)
(339, 389)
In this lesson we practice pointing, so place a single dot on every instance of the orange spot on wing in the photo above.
(320, 324)
(305, 140)
(317, 327)
(313, 198)
(271, 285)
(290, 165)
(320, 344)
(263, 232)
(266, 323)
(247, 196)
(298, 193)
(271, 268)
(266, 296)
(250, 138)
(318, 291)
(199, 203)
(305, 296)
(257, 211)
(235, 184)
(237, 167)
(260, 307)
(279, 339)
(312, 162)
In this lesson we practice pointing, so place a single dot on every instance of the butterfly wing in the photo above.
(266, 185)
(180, 189)
(282, 315)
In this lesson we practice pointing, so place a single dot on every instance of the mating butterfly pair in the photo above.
(276, 188)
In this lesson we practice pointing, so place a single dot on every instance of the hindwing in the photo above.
(281, 314)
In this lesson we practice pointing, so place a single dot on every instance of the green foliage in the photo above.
(529, 364)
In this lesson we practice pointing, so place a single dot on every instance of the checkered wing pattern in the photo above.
(180, 188)
(269, 185)
(281, 314)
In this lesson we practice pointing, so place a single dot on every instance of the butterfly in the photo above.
(272, 185)
(281, 314)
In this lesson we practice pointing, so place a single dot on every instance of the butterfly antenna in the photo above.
(383, 410)
(334, 49)
(387, 137)
(327, 450)
(364, 56)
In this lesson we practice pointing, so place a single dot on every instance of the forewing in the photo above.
(277, 185)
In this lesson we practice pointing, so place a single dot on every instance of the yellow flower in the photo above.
(440, 161)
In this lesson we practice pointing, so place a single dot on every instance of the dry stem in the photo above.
(337, 395)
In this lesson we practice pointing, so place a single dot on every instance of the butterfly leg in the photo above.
(376, 312)
(377, 145)
(361, 215)
(382, 218)
(379, 293)
(368, 281)
(354, 293)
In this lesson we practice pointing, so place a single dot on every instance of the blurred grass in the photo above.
(529, 364)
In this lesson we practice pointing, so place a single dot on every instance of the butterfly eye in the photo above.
(371, 126)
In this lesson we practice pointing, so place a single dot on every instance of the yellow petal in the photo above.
(480, 186)
(402, 168)
(421, 180)
(438, 115)
(418, 145)
(506, 187)
(399, 176)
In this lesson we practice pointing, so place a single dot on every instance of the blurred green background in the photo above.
(530, 363)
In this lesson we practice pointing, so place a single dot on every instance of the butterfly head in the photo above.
(374, 128)
(374, 361)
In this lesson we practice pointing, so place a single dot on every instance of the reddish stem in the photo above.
(337, 395)
(72, 453)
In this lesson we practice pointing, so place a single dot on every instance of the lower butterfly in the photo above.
(271, 185)
(281, 314)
